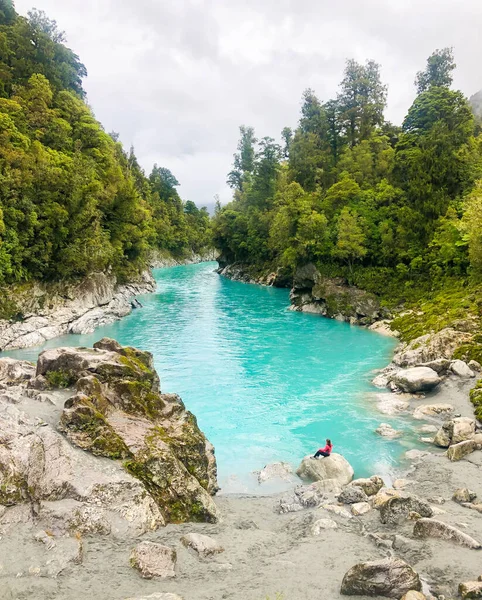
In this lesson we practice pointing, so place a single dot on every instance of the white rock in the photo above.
(340, 511)
(386, 430)
(202, 544)
(278, 470)
(428, 429)
(461, 369)
(458, 451)
(322, 524)
(360, 508)
(154, 560)
(440, 410)
(474, 365)
(415, 454)
(334, 467)
(416, 379)
(392, 405)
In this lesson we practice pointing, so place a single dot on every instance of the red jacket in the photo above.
(327, 449)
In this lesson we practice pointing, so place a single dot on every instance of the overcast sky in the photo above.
(176, 78)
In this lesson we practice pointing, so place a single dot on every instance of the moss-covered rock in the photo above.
(118, 412)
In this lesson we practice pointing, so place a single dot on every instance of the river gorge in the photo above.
(265, 383)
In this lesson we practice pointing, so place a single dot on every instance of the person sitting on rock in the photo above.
(326, 451)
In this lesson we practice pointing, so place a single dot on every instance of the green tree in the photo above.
(244, 159)
(438, 72)
(350, 239)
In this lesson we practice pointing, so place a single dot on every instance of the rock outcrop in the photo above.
(398, 508)
(333, 298)
(390, 578)
(45, 311)
(430, 347)
(162, 468)
(334, 467)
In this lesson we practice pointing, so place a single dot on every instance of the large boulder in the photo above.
(370, 486)
(398, 508)
(390, 578)
(461, 369)
(154, 560)
(416, 379)
(430, 347)
(453, 431)
(334, 467)
(432, 528)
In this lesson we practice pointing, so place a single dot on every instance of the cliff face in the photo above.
(42, 311)
(88, 441)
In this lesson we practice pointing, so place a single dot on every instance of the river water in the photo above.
(265, 383)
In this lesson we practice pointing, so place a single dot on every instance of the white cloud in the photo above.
(176, 77)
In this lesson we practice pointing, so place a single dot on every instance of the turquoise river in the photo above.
(266, 384)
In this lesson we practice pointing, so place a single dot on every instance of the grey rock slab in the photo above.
(432, 528)
(416, 379)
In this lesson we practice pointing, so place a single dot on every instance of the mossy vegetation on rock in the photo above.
(118, 412)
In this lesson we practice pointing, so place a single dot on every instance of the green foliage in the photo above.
(438, 72)
(59, 379)
(71, 200)
(394, 210)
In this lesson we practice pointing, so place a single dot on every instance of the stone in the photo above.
(413, 595)
(430, 347)
(383, 496)
(334, 467)
(390, 578)
(428, 429)
(416, 379)
(386, 430)
(474, 365)
(204, 545)
(303, 496)
(471, 589)
(321, 525)
(440, 365)
(459, 451)
(415, 454)
(14, 372)
(461, 369)
(453, 431)
(432, 528)
(440, 410)
(397, 509)
(352, 494)
(338, 510)
(360, 508)
(153, 560)
(370, 486)
(464, 495)
(278, 470)
(392, 405)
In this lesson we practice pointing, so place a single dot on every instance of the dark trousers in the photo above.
(321, 453)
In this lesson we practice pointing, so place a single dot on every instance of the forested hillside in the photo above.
(396, 210)
(72, 201)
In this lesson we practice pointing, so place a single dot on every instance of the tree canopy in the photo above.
(72, 201)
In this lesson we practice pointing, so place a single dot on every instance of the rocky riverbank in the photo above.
(45, 311)
(41, 311)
